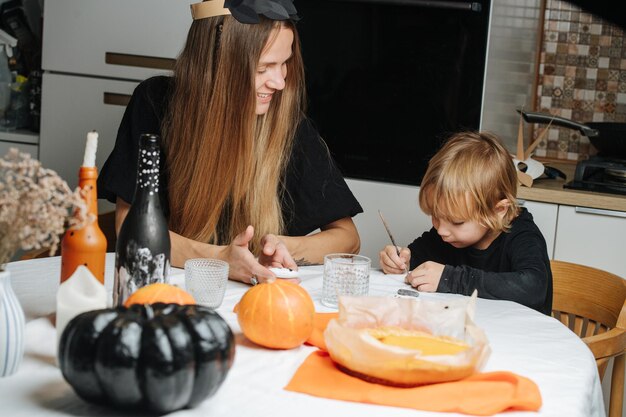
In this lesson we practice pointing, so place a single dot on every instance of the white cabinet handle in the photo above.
(601, 212)
(142, 61)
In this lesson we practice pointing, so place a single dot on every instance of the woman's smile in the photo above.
(265, 97)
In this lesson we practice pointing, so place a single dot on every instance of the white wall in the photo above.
(399, 206)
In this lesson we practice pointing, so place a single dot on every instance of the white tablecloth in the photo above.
(522, 341)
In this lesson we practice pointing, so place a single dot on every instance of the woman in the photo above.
(239, 151)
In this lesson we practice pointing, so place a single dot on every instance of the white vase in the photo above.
(12, 326)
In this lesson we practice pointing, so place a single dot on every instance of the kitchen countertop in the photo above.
(552, 191)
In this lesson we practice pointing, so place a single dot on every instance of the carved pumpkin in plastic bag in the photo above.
(407, 342)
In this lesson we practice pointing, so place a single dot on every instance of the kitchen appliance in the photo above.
(604, 175)
(389, 80)
(13, 20)
(605, 172)
(609, 138)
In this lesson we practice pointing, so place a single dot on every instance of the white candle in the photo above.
(89, 160)
(79, 293)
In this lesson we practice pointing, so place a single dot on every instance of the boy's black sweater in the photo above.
(514, 267)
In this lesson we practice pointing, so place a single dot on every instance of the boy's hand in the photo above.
(391, 263)
(426, 276)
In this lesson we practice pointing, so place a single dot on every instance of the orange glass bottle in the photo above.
(86, 246)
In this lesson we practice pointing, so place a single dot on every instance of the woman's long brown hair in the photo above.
(226, 164)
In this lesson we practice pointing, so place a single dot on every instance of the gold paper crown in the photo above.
(246, 11)
(208, 8)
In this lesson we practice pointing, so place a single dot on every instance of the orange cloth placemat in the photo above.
(481, 394)
(320, 321)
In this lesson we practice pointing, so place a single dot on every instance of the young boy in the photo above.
(480, 238)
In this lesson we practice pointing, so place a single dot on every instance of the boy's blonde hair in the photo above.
(467, 178)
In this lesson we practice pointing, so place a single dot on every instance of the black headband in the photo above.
(246, 11)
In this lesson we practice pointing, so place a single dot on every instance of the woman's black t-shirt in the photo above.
(315, 192)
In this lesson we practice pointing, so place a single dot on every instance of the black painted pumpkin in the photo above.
(159, 357)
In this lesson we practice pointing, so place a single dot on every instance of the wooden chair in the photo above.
(592, 303)
(106, 221)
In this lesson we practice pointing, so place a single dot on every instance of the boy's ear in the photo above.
(502, 206)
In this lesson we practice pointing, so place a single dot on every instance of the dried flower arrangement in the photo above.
(36, 206)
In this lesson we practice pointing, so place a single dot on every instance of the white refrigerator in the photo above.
(94, 54)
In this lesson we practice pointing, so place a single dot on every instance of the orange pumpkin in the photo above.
(159, 293)
(277, 315)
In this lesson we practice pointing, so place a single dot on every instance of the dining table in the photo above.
(522, 341)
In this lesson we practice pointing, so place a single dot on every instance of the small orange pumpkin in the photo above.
(160, 293)
(277, 315)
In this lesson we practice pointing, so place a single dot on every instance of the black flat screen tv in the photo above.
(389, 80)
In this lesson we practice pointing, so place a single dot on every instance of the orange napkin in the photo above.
(482, 394)
(320, 321)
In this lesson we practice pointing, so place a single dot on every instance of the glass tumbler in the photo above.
(344, 274)
(205, 280)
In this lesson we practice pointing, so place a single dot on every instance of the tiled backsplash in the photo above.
(582, 77)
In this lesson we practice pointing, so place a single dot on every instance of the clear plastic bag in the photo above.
(352, 344)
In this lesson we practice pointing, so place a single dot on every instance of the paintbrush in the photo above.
(393, 242)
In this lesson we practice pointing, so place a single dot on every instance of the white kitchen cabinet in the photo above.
(545, 217)
(22, 147)
(139, 38)
(73, 106)
(592, 237)
(400, 207)
(24, 141)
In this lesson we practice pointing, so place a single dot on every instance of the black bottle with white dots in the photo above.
(142, 253)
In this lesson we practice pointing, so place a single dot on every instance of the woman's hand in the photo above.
(391, 263)
(274, 253)
(426, 276)
(243, 264)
